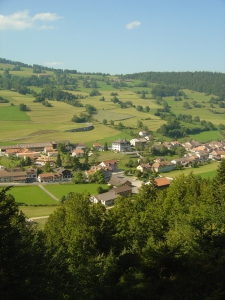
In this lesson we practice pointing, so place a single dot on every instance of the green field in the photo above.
(60, 190)
(31, 195)
(37, 211)
(12, 113)
(205, 171)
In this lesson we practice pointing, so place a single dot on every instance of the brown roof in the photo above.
(121, 189)
(78, 151)
(162, 181)
(97, 145)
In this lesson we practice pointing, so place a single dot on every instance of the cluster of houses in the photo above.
(41, 153)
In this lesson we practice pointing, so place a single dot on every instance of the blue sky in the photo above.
(115, 36)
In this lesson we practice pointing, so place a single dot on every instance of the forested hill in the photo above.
(207, 82)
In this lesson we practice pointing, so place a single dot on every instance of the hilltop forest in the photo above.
(207, 82)
(154, 245)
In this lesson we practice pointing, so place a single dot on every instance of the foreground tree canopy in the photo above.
(166, 244)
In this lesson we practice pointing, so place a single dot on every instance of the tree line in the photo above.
(207, 82)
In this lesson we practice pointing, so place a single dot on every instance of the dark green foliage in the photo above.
(3, 100)
(97, 177)
(23, 107)
(81, 118)
(156, 244)
(94, 92)
(207, 82)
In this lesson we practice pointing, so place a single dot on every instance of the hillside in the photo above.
(134, 101)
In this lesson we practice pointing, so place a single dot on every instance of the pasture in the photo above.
(37, 211)
(49, 123)
(12, 113)
(59, 190)
(32, 195)
(205, 171)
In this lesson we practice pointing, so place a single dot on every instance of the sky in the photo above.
(115, 36)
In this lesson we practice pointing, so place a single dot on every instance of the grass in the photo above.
(205, 171)
(37, 211)
(31, 195)
(13, 113)
(63, 189)
(111, 115)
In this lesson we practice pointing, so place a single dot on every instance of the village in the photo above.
(120, 183)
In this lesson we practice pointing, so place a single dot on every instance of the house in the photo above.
(52, 153)
(13, 175)
(48, 149)
(78, 152)
(175, 143)
(135, 142)
(121, 145)
(142, 141)
(104, 198)
(179, 161)
(108, 198)
(50, 177)
(162, 182)
(31, 173)
(65, 173)
(97, 146)
(149, 137)
(217, 154)
(111, 165)
(80, 146)
(164, 166)
(41, 161)
(106, 172)
(142, 133)
(13, 152)
(117, 181)
(168, 145)
(144, 168)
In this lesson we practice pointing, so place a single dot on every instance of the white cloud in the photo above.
(54, 63)
(46, 17)
(22, 20)
(43, 27)
(133, 24)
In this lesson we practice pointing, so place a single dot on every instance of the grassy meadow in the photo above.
(31, 195)
(206, 171)
(60, 190)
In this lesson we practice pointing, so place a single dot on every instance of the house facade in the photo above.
(111, 165)
(164, 166)
(121, 145)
